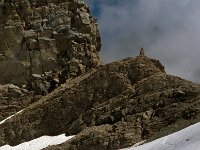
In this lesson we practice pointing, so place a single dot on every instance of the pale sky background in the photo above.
(169, 30)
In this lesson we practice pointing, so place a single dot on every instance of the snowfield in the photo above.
(39, 143)
(186, 139)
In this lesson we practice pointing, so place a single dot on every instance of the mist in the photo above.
(169, 30)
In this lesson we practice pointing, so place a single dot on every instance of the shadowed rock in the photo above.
(43, 43)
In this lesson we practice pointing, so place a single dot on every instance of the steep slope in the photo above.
(42, 36)
(13, 99)
(43, 43)
(186, 139)
(113, 106)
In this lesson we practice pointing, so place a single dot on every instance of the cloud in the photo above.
(168, 30)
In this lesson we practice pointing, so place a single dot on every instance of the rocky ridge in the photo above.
(111, 107)
(50, 69)
(43, 43)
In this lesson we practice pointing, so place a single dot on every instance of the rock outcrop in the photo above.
(45, 42)
(13, 99)
(114, 106)
(46, 36)
(51, 71)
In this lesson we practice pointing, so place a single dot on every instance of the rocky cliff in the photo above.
(51, 71)
(111, 107)
(43, 43)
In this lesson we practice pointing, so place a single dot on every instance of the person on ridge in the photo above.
(142, 52)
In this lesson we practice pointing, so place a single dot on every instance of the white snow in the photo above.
(36, 144)
(39, 143)
(186, 139)
(10, 117)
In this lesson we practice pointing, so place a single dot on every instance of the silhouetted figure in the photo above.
(142, 52)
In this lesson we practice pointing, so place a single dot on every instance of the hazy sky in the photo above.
(169, 30)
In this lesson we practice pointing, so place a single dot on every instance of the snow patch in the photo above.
(10, 116)
(39, 143)
(186, 139)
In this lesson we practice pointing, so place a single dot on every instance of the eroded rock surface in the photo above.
(43, 36)
(114, 106)
(14, 99)
(45, 42)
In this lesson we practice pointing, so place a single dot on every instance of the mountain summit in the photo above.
(113, 106)
(51, 73)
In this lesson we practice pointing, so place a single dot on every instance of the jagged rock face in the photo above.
(55, 36)
(13, 99)
(114, 106)
(43, 43)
